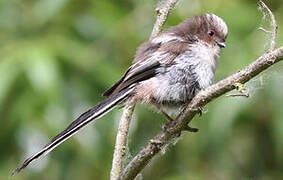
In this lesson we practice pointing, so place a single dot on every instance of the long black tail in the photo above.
(90, 115)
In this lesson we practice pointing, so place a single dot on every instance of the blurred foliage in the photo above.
(57, 57)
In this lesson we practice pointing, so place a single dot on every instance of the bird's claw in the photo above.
(200, 111)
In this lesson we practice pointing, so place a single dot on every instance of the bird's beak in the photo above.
(221, 44)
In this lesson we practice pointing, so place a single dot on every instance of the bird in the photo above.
(167, 72)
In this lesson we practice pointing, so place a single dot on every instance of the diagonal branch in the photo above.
(156, 144)
(202, 98)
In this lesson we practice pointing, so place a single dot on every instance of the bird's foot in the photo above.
(200, 111)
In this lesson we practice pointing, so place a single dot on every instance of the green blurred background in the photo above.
(57, 57)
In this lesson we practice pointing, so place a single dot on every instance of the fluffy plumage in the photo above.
(181, 60)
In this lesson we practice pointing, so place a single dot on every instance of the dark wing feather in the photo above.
(137, 77)
(135, 74)
(109, 91)
(142, 69)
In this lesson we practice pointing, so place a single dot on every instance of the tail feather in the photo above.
(90, 115)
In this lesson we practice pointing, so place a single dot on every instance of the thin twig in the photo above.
(121, 145)
(264, 30)
(162, 14)
(273, 25)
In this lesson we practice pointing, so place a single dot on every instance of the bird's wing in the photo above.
(139, 72)
(150, 56)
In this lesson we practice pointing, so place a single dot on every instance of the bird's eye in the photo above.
(211, 33)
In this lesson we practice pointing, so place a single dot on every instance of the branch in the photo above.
(273, 25)
(121, 145)
(201, 99)
(124, 123)
(162, 14)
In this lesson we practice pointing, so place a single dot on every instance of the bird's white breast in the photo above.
(206, 60)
